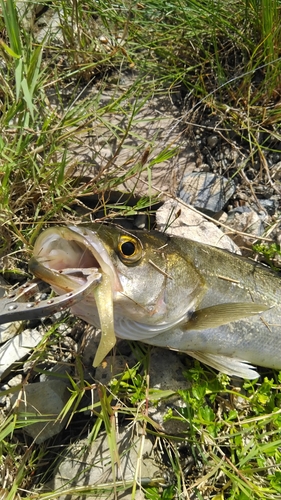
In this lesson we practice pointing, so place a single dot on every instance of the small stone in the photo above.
(212, 141)
(5, 401)
(49, 27)
(63, 328)
(206, 191)
(7, 330)
(140, 221)
(163, 378)
(69, 344)
(58, 316)
(14, 381)
(269, 205)
(26, 13)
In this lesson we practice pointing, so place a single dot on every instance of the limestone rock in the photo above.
(205, 190)
(45, 401)
(190, 224)
(17, 349)
(90, 467)
(245, 220)
(166, 372)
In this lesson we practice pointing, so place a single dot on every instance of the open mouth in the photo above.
(68, 257)
(65, 256)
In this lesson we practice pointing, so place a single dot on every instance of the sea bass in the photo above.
(167, 291)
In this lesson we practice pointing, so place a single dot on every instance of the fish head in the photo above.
(145, 278)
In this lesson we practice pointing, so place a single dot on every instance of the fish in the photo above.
(167, 291)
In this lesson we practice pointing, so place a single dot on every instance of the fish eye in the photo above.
(129, 249)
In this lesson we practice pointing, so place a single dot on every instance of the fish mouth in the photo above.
(65, 257)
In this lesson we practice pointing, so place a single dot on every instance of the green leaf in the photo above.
(34, 69)
(27, 97)
(12, 25)
(9, 51)
(206, 414)
(8, 428)
(18, 76)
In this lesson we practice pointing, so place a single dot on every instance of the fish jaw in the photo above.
(64, 257)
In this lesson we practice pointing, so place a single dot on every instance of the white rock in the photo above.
(49, 27)
(166, 372)
(45, 401)
(192, 225)
(91, 465)
(244, 220)
(9, 330)
(14, 381)
(16, 349)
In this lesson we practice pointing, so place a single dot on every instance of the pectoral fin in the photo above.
(222, 314)
(225, 364)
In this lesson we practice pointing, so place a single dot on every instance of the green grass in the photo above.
(48, 109)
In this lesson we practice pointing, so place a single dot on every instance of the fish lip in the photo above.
(85, 237)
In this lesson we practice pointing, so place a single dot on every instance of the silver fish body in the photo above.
(172, 292)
